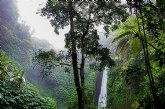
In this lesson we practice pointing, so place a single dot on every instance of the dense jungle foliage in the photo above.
(16, 93)
(18, 44)
(129, 85)
(35, 76)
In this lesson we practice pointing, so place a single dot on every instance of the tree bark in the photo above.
(82, 80)
(83, 63)
(82, 73)
(74, 58)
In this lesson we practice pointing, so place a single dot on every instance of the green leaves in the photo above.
(16, 94)
(57, 13)
(82, 16)
(50, 60)
(124, 36)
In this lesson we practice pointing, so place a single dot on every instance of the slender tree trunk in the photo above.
(82, 77)
(82, 73)
(74, 59)
(147, 60)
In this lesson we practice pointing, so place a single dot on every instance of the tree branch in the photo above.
(152, 46)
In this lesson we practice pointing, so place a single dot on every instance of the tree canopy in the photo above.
(83, 38)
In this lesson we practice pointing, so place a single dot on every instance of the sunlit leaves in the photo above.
(127, 38)
(135, 46)
(128, 27)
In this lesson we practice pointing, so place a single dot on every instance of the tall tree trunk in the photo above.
(82, 77)
(147, 60)
(74, 58)
(83, 63)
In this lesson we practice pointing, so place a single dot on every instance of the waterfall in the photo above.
(102, 101)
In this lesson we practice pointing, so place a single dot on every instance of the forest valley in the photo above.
(131, 66)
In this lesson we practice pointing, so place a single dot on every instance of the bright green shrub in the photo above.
(16, 94)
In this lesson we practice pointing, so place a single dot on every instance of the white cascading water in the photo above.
(102, 101)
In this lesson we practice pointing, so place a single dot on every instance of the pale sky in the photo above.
(41, 26)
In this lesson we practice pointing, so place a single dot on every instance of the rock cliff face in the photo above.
(98, 86)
